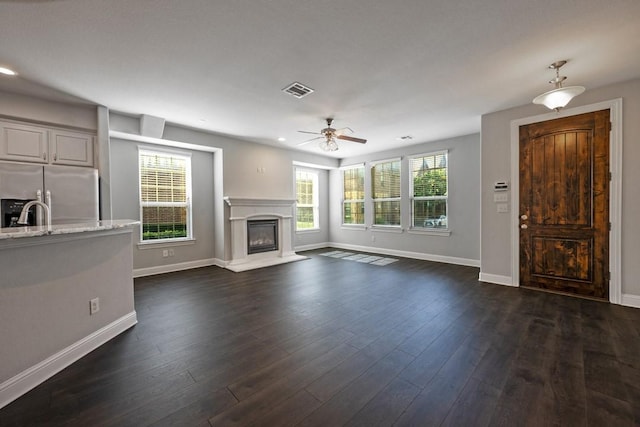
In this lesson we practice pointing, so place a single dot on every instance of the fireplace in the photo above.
(262, 235)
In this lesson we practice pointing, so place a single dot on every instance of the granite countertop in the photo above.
(21, 232)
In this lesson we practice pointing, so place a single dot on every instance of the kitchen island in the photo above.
(48, 279)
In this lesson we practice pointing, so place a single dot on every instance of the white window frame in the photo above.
(413, 199)
(144, 150)
(345, 201)
(386, 199)
(315, 203)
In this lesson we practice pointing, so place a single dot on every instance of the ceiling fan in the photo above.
(329, 136)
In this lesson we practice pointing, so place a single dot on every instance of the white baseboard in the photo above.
(631, 300)
(220, 262)
(26, 380)
(407, 254)
(169, 268)
(312, 247)
(496, 279)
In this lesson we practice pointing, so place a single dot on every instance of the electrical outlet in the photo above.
(94, 306)
(165, 253)
(171, 253)
(373, 238)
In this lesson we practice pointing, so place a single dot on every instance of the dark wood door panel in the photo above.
(562, 258)
(561, 180)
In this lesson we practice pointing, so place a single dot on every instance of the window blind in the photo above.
(164, 195)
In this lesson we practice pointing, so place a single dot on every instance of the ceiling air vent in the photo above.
(298, 90)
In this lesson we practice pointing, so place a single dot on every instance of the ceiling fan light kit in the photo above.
(329, 145)
(329, 136)
(560, 96)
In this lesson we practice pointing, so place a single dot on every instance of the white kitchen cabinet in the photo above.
(24, 142)
(40, 144)
(71, 148)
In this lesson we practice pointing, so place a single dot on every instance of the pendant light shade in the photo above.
(560, 96)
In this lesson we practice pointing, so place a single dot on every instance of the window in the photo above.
(165, 195)
(385, 192)
(429, 190)
(353, 196)
(307, 200)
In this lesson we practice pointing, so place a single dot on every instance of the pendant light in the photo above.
(560, 96)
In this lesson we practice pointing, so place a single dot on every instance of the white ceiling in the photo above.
(424, 68)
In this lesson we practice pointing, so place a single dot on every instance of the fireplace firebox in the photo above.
(262, 235)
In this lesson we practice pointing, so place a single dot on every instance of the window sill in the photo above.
(360, 227)
(387, 229)
(445, 232)
(165, 243)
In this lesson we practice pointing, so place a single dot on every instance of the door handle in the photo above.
(524, 217)
(524, 226)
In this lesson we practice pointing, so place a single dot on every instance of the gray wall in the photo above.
(496, 250)
(255, 171)
(462, 246)
(247, 170)
(125, 205)
(44, 305)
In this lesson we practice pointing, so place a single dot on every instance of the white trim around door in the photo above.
(615, 188)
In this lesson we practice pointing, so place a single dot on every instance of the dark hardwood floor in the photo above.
(330, 342)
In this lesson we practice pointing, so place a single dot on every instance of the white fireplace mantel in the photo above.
(243, 201)
(244, 209)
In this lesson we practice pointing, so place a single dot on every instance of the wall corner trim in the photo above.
(496, 279)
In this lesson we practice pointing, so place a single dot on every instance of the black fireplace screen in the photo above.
(262, 235)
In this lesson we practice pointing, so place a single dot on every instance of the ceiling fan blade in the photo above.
(343, 131)
(351, 138)
(309, 140)
(313, 133)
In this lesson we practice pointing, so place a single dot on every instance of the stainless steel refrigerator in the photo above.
(70, 192)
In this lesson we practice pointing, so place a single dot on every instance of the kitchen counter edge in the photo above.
(38, 231)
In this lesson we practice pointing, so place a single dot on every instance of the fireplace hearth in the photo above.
(262, 236)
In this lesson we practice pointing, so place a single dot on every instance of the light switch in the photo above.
(500, 197)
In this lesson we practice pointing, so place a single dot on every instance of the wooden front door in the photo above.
(564, 205)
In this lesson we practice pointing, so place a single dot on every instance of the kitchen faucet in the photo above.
(25, 211)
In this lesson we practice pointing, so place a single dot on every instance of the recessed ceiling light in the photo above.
(282, 139)
(7, 71)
